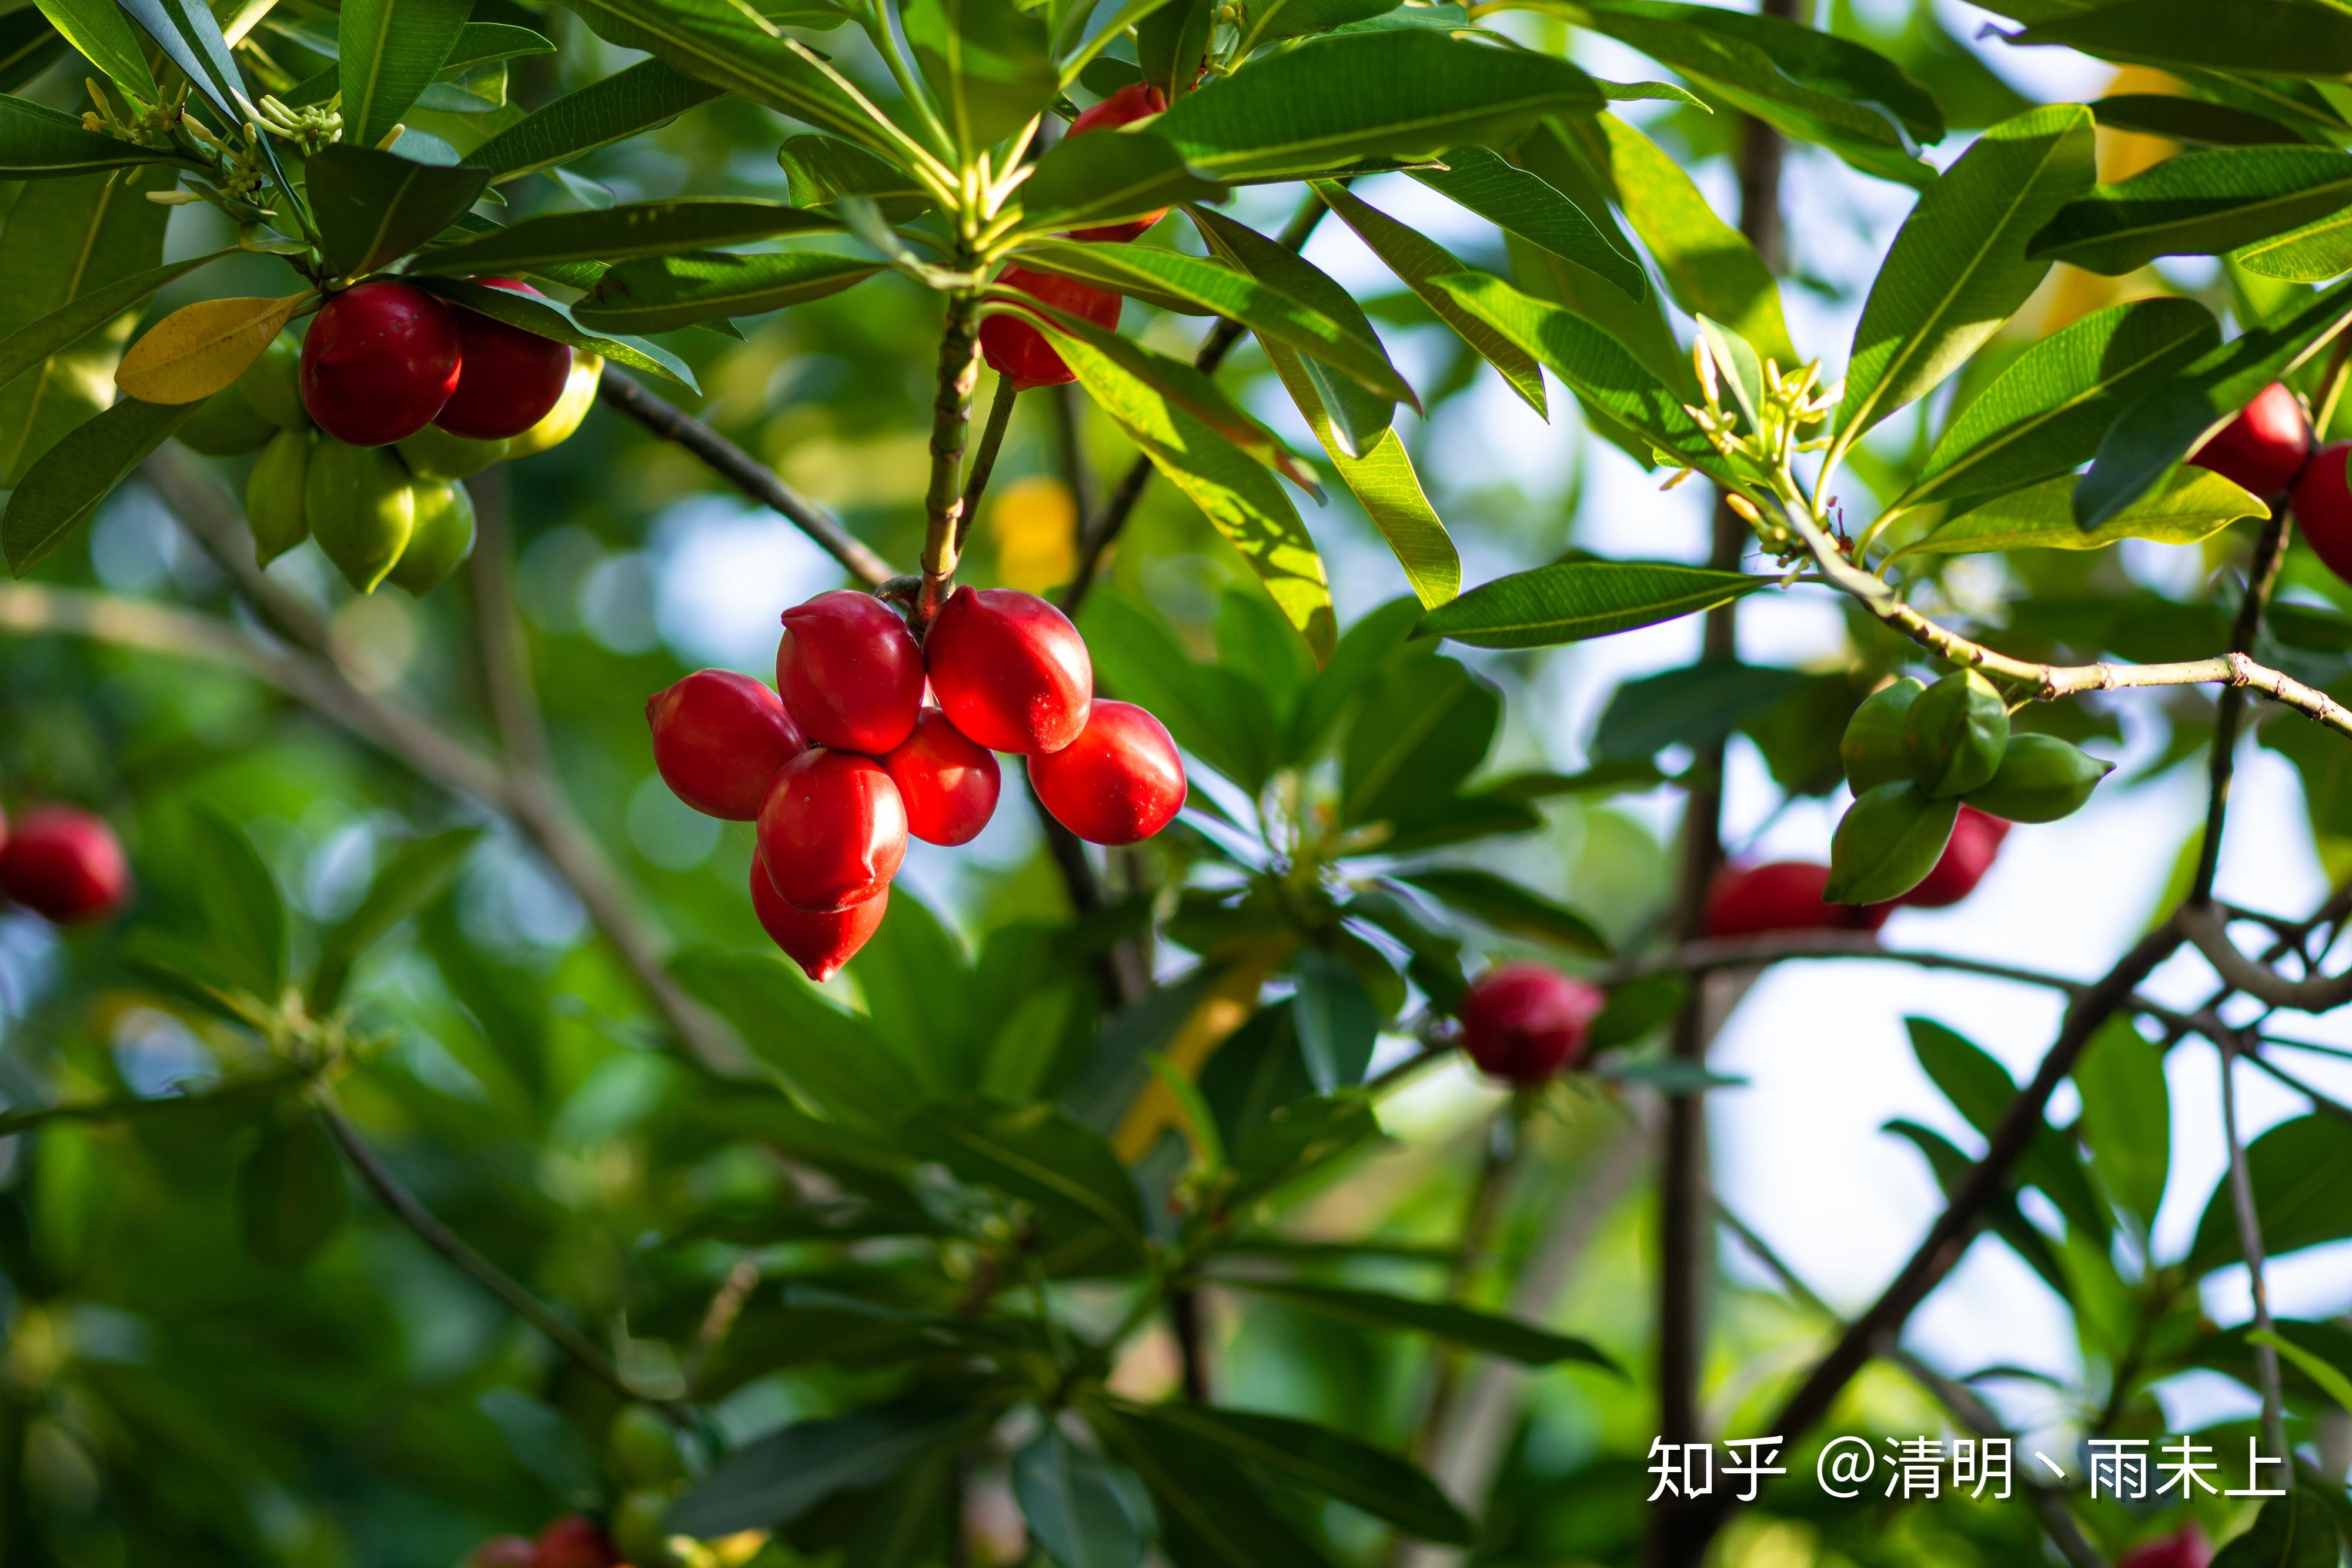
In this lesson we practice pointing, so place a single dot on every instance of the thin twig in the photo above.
(726, 1306)
(984, 457)
(2262, 577)
(1499, 1163)
(2249, 1246)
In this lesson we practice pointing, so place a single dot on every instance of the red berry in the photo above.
(1015, 347)
(1784, 895)
(1968, 855)
(2322, 508)
(504, 1552)
(1011, 671)
(507, 378)
(64, 865)
(948, 784)
(1137, 101)
(2264, 447)
(819, 943)
(850, 672)
(720, 738)
(2186, 1548)
(379, 362)
(832, 830)
(575, 1540)
(1522, 1022)
(1120, 781)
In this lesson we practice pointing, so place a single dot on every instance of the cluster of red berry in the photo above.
(2185, 1548)
(1786, 895)
(2270, 450)
(575, 1540)
(64, 864)
(844, 758)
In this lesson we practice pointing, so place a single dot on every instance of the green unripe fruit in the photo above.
(361, 509)
(440, 538)
(1888, 840)
(1954, 733)
(273, 385)
(277, 503)
(643, 1449)
(1872, 749)
(2041, 778)
(225, 424)
(434, 453)
(638, 1529)
(556, 427)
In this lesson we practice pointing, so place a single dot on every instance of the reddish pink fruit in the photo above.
(1968, 855)
(1014, 346)
(1120, 781)
(1783, 896)
(1011, 671)
(850, 672)
(507, 378)
(379, 362)
(832, 830)
(719, 739)
(1137, 101)
(1522, 1022)
(2322, 508)
(2264, 447)
(575, 1540)
(504, 1552)
(2185, 1548)
(819, 943)
(64, 865)
(948, 784)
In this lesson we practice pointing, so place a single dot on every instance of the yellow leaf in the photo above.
(199, 349)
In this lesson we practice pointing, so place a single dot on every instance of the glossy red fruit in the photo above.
(64, 865)
(504, 1552)
(2264, 447)
(379, 362)
(2186, 1548)
(832, 830)
(1522, 1022)
(1782, 895)
(2322, 508)
(1011, 671)
(507, 378)
(575, 1540)
(948, 783)
(1120, 781)
(719, 739)
(1137, 101)
(1015, 347)
(1968, 855)
(850, 672)
(819, 943)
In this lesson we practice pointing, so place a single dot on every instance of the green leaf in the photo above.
(65, 487)
(647, 95)
(1336, 1020)
(1422, 729)
(1695, 706)
(99, 30)
(374, 207)
(40, 143)
(1525, 204)
(2267, 38)
(2127, 1116)
(1077, 1511)
(2194, 121)
(821, 169)
(2045, 414)
(482, 43)
(1572, 600)
(1488, 1334)
(1958, 268)
(290, 1197)
(660, 294)
(2194, 504)
(1951, 1168)
(1508, 906)
(415, 875)
(391, 49)
(1297, 1138)
(28, 46)
(2318, 252)
(546, 318)
(546, 1444)
(776, 1479)
(917, 981)
(32, 343)
(1211, 1516)
(2198, 204)
(1333, 101)
(2292, 1532)
(2300, 1171)
(244, 917)
(1887, 840)
(1331, 1462)
(619, 233)
(1086, 29)
(1139, 659)
(1106, 177)
(836, 1061)
(2331, 1381)
(1038, 1153)
(1171, 44)
(989, 63)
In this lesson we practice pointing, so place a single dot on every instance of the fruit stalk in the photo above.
(959, 375)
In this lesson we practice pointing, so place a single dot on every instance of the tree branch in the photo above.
(958, 375)
(2262, 577)
(2203, 925)
(2249, 1246)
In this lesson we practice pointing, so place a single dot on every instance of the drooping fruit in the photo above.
(637, 1528)
(948, 783)
(850, 672)
(276, 503)
(719, 739)
(2041, 779)
(64, 864)
(1015, 347)
(556, 426)
(273, 384)
(1522, 1022)
(1968, 854)
(832, 830)
(504, 1552)
(508, 379)
(1782, 895)
(1118, 783)
(380, 360)
(2185, 1548)
(2264, 447)
(441, 539)
(643, 1447)
(1136, 101)
(360, 507)
(819, 942)
(575, 1540)
(2322, 508)
(225, 424)
(1009, 670)
(434, 453)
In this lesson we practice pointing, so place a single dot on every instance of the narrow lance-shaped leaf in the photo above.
(619, 233)
(647, 95)
(28, 46)
(199, 349)
(2298, 1170)
(1104, 177)
(989, 63)
(374, 207)
(391, 49)
(36, 341)
(547, 319)
(1075, 1511)
(2266, 37)
(99, 30)
(2190, 506)
(661, 294)
(40, 143)
(2199, 204)
(1327, 1461)
(244, 913)
(1572, 600)
(481, 43)
(1489, 1334)
(1507, 907)
(66, 486)
(1211, 1516)
(1523, 204)
(190, 37)
(778, 1478)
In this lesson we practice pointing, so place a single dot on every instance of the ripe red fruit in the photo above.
(2186, 1548)
(1522, 1022)
(1015, 347)
(575, 1540)
(64, 865)
(504, 1552)
(2322, 508)
(1783, 896)
(507, 378)
(948, 783)
(379, 362)
(719, 739)
(1009, 670)
(1137, 101)
(850, 672)
(1120, 781)
(1968, 855)
(819, 943)
(2264, 447)
(832, 830)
